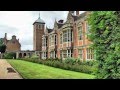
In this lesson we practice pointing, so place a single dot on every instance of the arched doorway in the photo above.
(29, 55)
(24, 54)
(20, 55)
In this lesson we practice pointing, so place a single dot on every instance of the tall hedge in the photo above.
(105, 35)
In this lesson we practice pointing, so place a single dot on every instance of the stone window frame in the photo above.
(51, 40)
(70, 35)
(55, 37)
(61, 38)
(80, 53)
(80, 32)
(89, 54)
(52, 54)
(65, 36)
(69, 53)
(64, 53)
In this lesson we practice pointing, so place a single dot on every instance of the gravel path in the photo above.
(7, 71)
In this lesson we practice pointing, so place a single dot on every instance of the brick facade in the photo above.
(12, 45)
(66, 39)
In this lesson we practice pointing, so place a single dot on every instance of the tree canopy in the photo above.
(2, 46)
(105, 35)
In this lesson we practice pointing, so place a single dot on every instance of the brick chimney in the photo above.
(77, 13)
(5, 35)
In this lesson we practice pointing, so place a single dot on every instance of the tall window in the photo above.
(42, 41)
(61, 38)
(46, 42)
(50, 40)
(42, 26)
(80, 52)
(65, 36)
(52, 54)
(39, 26)
(44, 54)
(80, 33)
(65, 54)
(70, 52)
(55, 39)
(90, 53)
(69, 35)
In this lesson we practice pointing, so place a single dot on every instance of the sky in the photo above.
(20, 23)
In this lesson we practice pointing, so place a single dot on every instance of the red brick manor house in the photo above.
(66, 39)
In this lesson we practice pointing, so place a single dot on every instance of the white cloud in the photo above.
(20, 23)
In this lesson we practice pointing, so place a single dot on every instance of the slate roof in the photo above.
(39, 20)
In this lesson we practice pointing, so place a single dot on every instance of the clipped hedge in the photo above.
(82, 67)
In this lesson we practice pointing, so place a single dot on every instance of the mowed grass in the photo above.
(30, 70)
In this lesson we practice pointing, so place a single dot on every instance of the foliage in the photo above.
(105, 35)
(10, 55)
(67, 65)
(1, 41)
(2, 48)
(34, 57)
(70, 60)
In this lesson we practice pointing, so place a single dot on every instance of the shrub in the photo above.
(34, 57)
(10, 55)
(85, 67)
(70, 60)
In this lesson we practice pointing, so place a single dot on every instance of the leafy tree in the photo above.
(2, 46)
(105, 35)
(1, 42)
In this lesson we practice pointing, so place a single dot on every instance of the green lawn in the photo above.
(31, 70)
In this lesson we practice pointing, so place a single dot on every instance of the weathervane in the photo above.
(39, 14)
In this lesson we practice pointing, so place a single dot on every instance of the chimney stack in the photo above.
(77, 13)
(5, 35)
